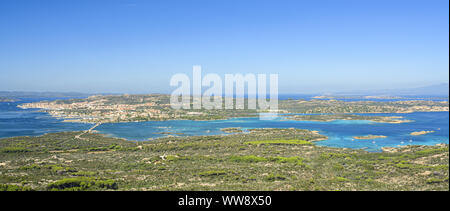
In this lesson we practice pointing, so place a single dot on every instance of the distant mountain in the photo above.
(433, 90)
(18, 94)
(4, 99)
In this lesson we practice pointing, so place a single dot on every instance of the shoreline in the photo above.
(74, 120)
(106, 135)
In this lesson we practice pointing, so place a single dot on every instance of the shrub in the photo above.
(6, 187)
(32, 166)
(280, 142)
(341, 179)
(14, 150)
(82, 183)
(97, 149)
(56, 168)
(175, 158)
(431, 151)
(247, 159)
(84, 173)
(334, 155)
(212, 173)
(296, 160)
(274, 177)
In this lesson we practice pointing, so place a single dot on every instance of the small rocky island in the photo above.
(369, 137)
(334, 117)
(231, 130)
(6, 100)
(418, 133)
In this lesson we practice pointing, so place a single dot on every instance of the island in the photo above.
(168, 133)
(333, 117)
(7, 100)
(231, 130)
(332, 106)
(129, 108)
(418, 133)
(369, 137)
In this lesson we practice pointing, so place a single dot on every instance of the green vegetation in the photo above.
(82, 183)
(278, 142)
(212, 173)
(263, 159)
(7, 187)
(274, 177)
(248, 158)
(434, 180)
(253, 159)
(14, 150)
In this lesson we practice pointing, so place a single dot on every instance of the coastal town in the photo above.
(127, 108)
(101, 109)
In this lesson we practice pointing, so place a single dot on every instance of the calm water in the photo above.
(28, 122)
(340, 132)
(15, 121)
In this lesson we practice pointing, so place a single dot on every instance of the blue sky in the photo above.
(135, 46)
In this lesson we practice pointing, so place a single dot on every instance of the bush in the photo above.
(82, 183)
(280, 142)
(274, 177)
(340, 179)
(84, 173)
(436, 180)
(253, 159)
(97, 149)
(247, 159)
(32, 166)
(295, 160)
(14, 150)
(211, 173)
(431, 151)
(332, 155)
(175, 158)
(5, 187)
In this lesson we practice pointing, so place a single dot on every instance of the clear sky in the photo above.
(133, 46)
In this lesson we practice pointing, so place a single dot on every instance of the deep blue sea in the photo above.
(29, 122)
(15, 121)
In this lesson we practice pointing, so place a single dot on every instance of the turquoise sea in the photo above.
(29, 122)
